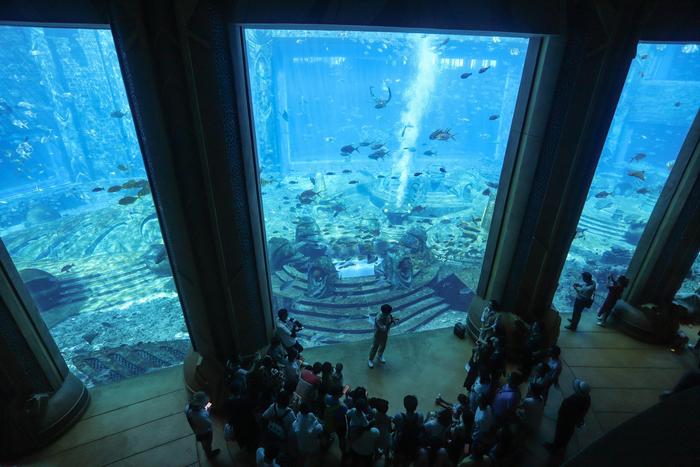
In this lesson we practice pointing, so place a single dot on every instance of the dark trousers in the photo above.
(605, 310)
(206, 440)
(564, 431)
(579, 305)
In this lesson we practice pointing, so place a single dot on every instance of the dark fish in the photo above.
(410, 149)
(492, 185)
(377, 146)
(130, 184)
(306, 197)
(348, 149)
(67, 267)
(483, 69)
(493, 117)
(603, 194)
(445, 221)
(381, 176)
(378, 154)
(394, 177)
(285, 116)
(118, 114)
(293, 182)
(430, 153)
(644, 56)
(347, 171)
(643, 191)
(97, 188)
(114, 189)
(465, 75)
(127, 200)
(486, 192)
(417, 209)
(143, 192)
(416, 174)
(638, 157)
(441, 135)
(365, 143)
(677, 104)
(90, 336)
(637, 174)
(122, 167)
(353, 182)
(442, 169)
(330, 173)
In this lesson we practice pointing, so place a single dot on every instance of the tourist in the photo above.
(292, 370)
(277, 351)
(477, 458)
(482, 388)
(267, 457)
(241, 419)
(535, 349)
(383, 322)
(408, 429)
(382, 422)
(572, 412)
(309, 385)
(435, 432)
(615, 289)
(287, 330)
(460, 435)
(554, 368)
(531, 409)
(457, 408)
(334, 418)
(307, 431)
(484, 423)
(584, 299)
(197, 413)
(338, 375)
(490, 321)
(278, 419)
(363, 445)
(507, 398)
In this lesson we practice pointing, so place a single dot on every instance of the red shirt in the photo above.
(310, 377)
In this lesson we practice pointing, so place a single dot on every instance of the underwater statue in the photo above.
(280, 251)
(321, 278)
(156, 259)
(397, 268)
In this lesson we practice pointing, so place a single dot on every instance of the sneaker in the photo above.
(370, 363)
(570, 328)
(382, 359)
(600, 323)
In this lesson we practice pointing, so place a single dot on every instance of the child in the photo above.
(456, 408)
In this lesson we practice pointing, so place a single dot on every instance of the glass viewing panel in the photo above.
(76, 212)
(379, 157)
(659, 101)
(691, 284)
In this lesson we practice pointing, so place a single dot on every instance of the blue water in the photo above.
(76, 213)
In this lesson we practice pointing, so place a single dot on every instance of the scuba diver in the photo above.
(380, 103)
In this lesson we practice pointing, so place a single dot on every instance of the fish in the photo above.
(307, 196)
(377, 146)
(90, 336)
(644, 56)
(330, 173)
(410, 149)
(494, 117)
(347, 171)
(669, 164)
(638, 157)
(97, 189)
(285, 116)
(430, 153)
(378, 154)
(417, 174)
(67, 267)
(637, 174)
(122, 167)
(329, 139)
(353, 182)
(114, 189)
(417, 209)
(465, 75)
(349, 149)
(442, 169)
(603, 194)
(118, 114)
(483, 69)
(293, 182)
(380, 176)
(643, 191)
(25, 105)
(364, 144)
(380, 103)
(486, 192)
(143, 192)
(492, 185)
(677, 104)
(20, 124)
(441, 135)
(394, 177)
(127, 200)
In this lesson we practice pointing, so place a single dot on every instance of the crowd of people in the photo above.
(289, 412)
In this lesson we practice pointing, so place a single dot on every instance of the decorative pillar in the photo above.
(546, 176)
(39, 398)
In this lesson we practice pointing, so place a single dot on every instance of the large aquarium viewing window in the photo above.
(76, 212)
(659, 101)
(379, 156)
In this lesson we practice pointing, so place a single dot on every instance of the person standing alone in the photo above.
(584, 299)
(382, 323)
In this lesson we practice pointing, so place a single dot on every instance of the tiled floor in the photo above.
(140, 422)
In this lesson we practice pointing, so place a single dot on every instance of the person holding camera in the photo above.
(584, 299)
(382, 323)
(615, 289)
(287, 330)
(197, 413)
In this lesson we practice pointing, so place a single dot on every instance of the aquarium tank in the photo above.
(659, 101)
(691, 283)
(378, 157)
(76, 211)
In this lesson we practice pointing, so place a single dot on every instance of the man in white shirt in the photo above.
(286, 331)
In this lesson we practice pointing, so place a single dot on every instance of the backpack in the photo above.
(460, 330)
(275, 426)
(408, 440)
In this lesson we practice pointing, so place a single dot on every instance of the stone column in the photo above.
(39, 398)
(179, 76)
(551, 159)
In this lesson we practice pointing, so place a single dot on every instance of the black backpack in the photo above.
(409, 438)
(460, 330)
(275, 429)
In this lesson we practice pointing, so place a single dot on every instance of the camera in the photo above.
(296, 325)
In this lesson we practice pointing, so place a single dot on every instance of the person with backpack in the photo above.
(408, 430)
(278, 420)
(307, 430)
(584, 299)
(197, 413)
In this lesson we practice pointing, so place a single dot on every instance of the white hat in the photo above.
(581, 386)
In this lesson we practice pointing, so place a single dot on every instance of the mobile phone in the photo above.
(346, 388)
(208, 406)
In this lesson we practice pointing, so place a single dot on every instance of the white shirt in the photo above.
(285, 333)
(260, 459)
(287, 419)
(307, 430)
(357, 418)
